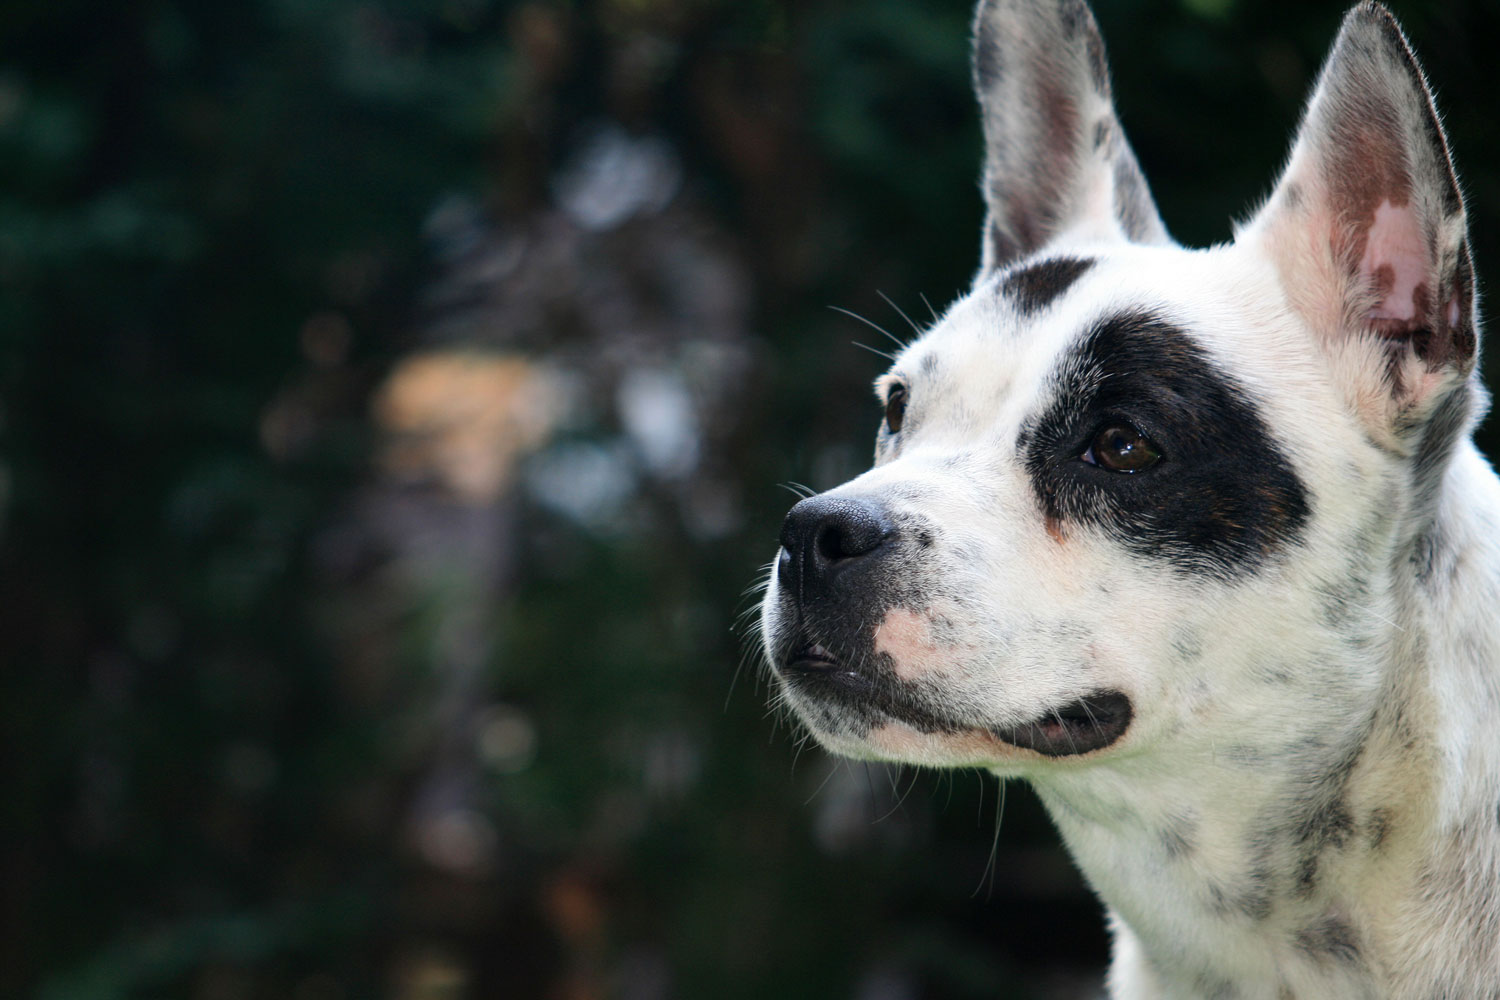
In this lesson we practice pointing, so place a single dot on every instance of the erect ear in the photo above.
(1057, 165)
(1367, 231)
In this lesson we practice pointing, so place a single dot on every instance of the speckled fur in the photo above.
(1306, 803)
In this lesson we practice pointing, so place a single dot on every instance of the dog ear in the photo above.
(1057, 164)
(1366, 229)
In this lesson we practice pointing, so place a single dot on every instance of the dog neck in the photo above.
(1330, 857)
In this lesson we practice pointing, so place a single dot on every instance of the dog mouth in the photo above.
(1086, 724)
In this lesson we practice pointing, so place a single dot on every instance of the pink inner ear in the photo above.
(1396, 263)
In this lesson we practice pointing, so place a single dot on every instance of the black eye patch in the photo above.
(1222, 499)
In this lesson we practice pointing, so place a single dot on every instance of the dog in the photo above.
(1195, 541)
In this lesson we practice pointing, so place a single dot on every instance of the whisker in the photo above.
(900, 312)
(833, 768)
(1084, 704)
(1064, 727)
(992, 866)
(872, 325)
(923, 297)
(874, 350)
(916, 775)
(1382, 618)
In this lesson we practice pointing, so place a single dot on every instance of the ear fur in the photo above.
(1057, 164)
(1367, 231)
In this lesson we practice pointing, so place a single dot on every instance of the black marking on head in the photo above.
(1331, 938)
(1036, 286)
(1223, 499)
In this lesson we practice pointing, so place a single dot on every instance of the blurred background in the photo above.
(394, 398)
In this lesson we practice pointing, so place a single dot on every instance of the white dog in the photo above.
(1196, 541)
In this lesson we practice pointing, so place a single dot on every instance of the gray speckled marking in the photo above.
(1177, 838)
(1378, 827)
(1330, 939)
(1187, 643)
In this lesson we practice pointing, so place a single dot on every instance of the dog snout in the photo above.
(822, 536)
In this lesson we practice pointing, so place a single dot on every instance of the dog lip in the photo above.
(813, 669)
(812, 656)
(1090, 723)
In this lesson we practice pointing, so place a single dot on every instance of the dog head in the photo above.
(1124, 492)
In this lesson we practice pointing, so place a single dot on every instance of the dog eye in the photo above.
(895, 408)
(1122, 448)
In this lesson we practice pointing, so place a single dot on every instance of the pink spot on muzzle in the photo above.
(906, 637)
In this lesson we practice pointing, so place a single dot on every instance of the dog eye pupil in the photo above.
(895, 408)
(1122, 448)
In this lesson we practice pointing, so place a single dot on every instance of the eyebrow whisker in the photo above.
(900, 312)
(872, 325)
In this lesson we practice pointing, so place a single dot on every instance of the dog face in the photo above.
(1127, 493)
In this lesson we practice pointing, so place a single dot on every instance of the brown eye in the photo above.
(1122, 448)
(895, 408)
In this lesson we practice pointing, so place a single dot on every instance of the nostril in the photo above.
(848, 536)
(822, 532)
(830, 543)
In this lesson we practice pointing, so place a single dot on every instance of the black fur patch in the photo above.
(1036, 286)
(1222, 500)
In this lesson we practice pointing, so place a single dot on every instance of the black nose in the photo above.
(822, 535)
